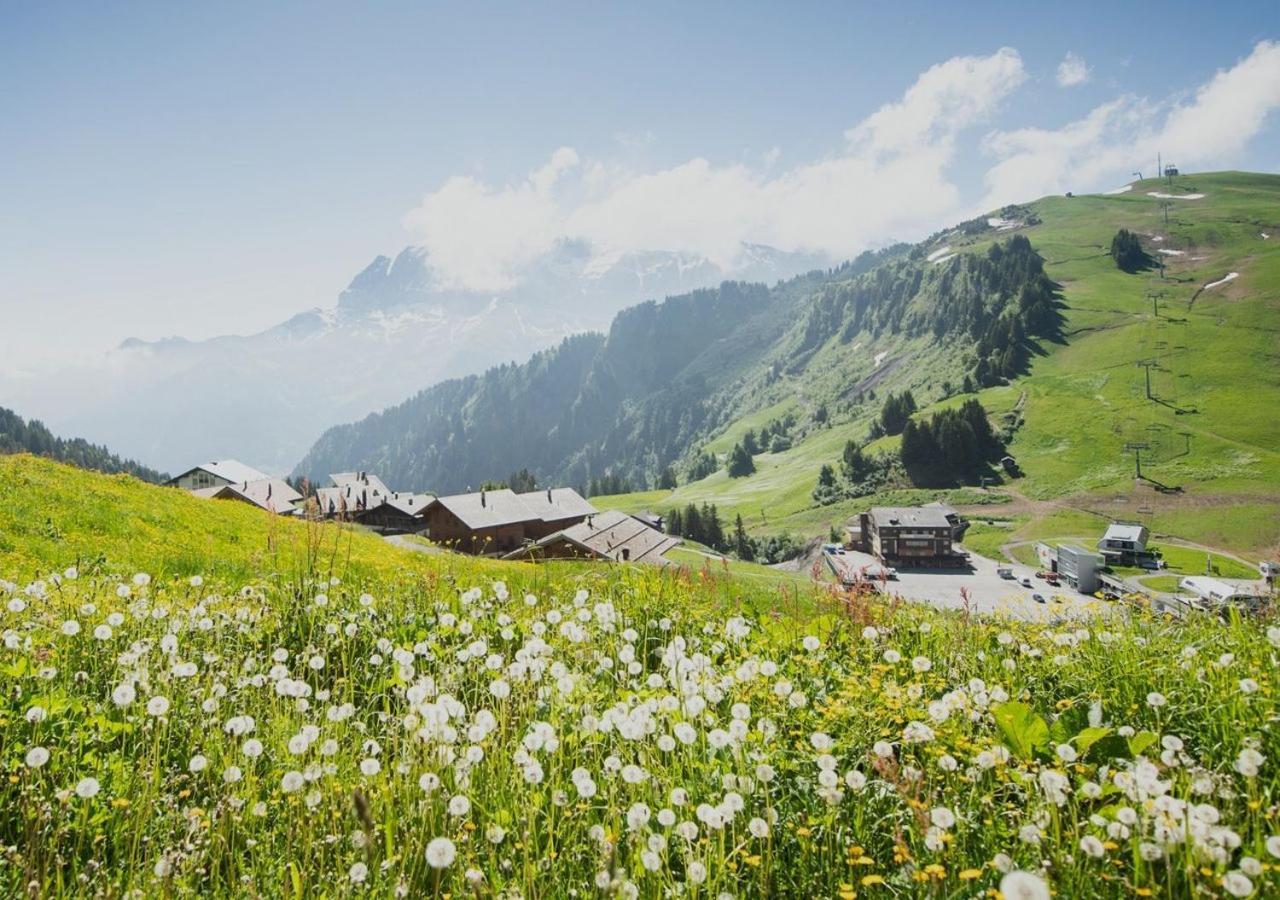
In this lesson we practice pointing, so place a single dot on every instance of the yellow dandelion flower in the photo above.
(868, 880)
(969, 874)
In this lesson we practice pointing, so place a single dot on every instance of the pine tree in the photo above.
(693, 524)
(740, 462)
(674, 522)
(667, 479)
(742, 544)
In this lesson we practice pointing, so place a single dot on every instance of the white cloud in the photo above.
(1072, 70)
(946, 98)
(888, 181)
(1125, 134)
(479, 237)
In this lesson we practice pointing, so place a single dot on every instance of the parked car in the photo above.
(1026, 582)
(1041, 575)
(1039, 598)
(1005, 572)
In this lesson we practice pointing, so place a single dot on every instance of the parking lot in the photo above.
(986, 591)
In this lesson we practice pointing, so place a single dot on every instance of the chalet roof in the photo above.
(360, 480)
(353, 495)
(617, 536)
(910, 516)
(556, 504)
(488, 509)
(271, 494)
(1125, 531)
(412, 504)
(231, 470)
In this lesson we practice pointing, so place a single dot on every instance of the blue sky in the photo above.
(168, 169)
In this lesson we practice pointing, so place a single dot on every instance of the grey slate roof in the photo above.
(1124, 531)
(373, 483)
(909, 516)
(555, 504)
(613, 535)
(488, 509)
(231, 470)
(270, 494)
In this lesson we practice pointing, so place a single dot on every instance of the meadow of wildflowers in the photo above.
(603, 737)
(300, 721)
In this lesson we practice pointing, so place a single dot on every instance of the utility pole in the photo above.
(1136, 448)
(1148, 364)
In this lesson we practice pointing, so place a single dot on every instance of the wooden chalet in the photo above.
(485, 522)
(498, 522)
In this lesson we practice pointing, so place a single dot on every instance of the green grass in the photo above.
(294, 723)
(1167, 584)
(1085, 399)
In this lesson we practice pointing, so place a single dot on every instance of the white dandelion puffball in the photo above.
(1018, 885)
(157, 705)
(87, 788)
(37, 757)
(441, 853)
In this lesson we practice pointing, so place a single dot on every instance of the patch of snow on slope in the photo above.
(1171, 252)
(942, 259)
(1231, 276)
(1161, 196)
(1120, 190)
(879, 357)
(936, 254)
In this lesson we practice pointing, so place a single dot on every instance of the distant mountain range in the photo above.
(668, 376)
(397, 328)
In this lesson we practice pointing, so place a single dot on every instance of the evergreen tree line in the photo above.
(859, 474)
(19, 436)
(951, 446)
(768, 550)
(894, 414)
(608, 483)
(521, 482)
(701, 524)
(965, 296)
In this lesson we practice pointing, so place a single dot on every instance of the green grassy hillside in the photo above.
(1213, 441)
(200, 700)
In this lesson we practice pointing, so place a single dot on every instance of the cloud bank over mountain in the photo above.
(891, 178)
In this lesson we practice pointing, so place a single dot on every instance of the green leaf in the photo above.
(1088, 737)
(1141, 741)
(1022, 729)
(1112, 746)
(1072, 721)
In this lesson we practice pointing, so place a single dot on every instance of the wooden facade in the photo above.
(909, 536)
